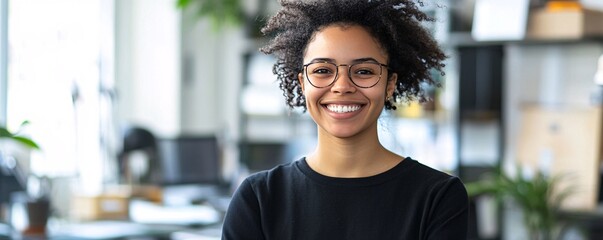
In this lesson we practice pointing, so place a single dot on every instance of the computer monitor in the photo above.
(259, 156)
(190, 160)
(264, 155)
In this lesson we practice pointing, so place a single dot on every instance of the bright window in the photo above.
(59, 78)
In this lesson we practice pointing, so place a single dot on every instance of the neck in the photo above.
(357, 156)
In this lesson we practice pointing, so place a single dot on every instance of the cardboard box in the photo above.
(564, 24)
(565, 142)
(151, 193)
(101, 207)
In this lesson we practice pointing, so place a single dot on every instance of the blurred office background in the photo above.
(151, 106)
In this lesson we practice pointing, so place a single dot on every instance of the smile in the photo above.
(343, 108)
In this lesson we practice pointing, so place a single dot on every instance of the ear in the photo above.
(300, 78)
(391, 84)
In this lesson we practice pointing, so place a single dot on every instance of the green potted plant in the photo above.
(230, 13)
(36, 197)
(220, 12)
(10, 142)
(539, 197)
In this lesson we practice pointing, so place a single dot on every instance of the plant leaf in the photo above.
(221, 13)
(5, 133)
(26, 141)
(183, 3)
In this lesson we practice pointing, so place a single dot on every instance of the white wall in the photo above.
(148, 65)
(212, 76)
(175, 74)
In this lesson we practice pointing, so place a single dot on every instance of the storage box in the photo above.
(151, 193)
(101, 207)
(564, 24)
(564, 142)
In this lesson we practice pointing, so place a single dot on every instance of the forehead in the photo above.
(344, 43)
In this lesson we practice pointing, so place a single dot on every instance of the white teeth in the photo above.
(343, 108)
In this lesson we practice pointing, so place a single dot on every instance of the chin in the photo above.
(344, 133)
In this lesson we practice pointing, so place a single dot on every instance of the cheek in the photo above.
(379, 93)
(311, 95)
(378, 97)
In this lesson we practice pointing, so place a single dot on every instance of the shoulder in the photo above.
(260, 184)
(278, 175)
(435, 180)
(443, 201)
(424, 172)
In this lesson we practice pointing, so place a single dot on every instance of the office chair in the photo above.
(139, 144)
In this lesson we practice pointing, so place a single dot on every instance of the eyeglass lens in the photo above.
(364, 75)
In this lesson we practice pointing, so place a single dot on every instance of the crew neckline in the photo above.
(405, 165)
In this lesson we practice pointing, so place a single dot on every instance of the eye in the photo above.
(364, 72)
(322, 70)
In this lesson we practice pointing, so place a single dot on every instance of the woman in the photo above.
(344, 61)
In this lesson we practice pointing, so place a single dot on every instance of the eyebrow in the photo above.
(331, 60)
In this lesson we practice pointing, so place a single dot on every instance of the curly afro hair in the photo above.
(395, 24)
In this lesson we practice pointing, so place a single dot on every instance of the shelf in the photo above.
(464, 39)
(480, 115)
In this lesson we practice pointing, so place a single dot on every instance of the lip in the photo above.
(345, 115)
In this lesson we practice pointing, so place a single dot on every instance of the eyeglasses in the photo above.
(362, 74)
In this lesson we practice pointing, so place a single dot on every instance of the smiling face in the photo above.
(343, 109)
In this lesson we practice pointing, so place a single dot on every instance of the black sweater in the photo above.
(292, 201)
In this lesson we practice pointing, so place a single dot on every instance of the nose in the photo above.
(343, 82)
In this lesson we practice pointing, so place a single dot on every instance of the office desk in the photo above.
(119, 230)
(113, 230)
(148, 221)
(108, 230)
(208, 233)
